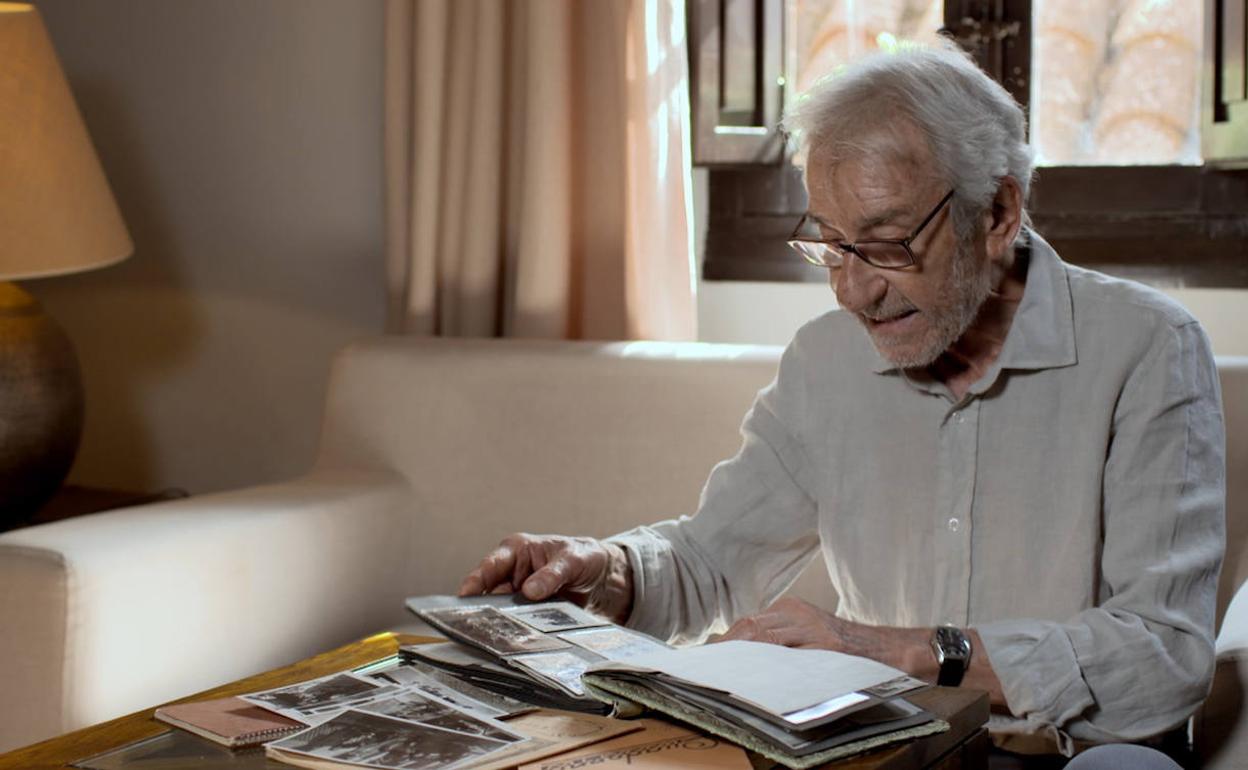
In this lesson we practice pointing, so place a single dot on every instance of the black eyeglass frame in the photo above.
(841, 249)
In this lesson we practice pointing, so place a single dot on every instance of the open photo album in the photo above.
(798, 707)
(533, 651)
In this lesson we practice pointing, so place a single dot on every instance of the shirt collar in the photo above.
(1042, 334)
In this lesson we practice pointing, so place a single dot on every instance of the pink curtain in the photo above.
(537, 169)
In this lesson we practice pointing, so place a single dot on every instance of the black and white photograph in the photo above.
(550, 617)
(614, 643)
(894, 687)
(493, 630)
(381, 741)
(458, 659)
(562, 667)
(453, 655)
(419, 707)
(461, 695)
(315, 700)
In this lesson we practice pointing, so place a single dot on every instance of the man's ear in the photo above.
(1004, 219)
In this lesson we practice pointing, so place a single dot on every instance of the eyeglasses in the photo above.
(888, 254)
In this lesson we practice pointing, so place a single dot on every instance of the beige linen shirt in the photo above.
(1070, 507)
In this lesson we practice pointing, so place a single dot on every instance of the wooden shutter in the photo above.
(998, 34)
(736, 70)
(1224, 129)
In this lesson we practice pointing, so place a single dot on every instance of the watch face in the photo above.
(952, 643)
(953, 655)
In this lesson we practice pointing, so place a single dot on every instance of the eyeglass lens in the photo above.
(880, 254)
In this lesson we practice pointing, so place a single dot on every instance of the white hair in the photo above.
(975, 130)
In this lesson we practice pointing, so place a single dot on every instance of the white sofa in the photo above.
(430, 452)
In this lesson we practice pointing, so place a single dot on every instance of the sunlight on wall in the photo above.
(747, 312)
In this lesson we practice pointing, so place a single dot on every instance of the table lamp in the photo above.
(57, 216)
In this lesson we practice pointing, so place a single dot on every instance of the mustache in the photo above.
(888, 308)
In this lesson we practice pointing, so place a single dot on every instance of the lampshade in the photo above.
(57, 213)
(57, 216)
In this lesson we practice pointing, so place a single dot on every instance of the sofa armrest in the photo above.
(1220, 727)
(110, 613)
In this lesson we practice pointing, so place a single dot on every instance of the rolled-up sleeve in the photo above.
(754, 531)
(1141, 661)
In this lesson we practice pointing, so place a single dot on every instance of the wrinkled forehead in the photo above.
(890, 155)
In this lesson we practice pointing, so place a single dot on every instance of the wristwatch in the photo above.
(953, 654)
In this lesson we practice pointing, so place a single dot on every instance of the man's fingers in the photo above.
(539, 567)
(745, 629)
(522, 566)
(494, 569)
(472, 584)
(769, 627)
(548, 580)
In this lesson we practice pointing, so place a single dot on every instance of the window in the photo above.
(1138, 111)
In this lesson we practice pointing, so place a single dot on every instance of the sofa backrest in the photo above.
(576, 438)
(589, 438)
(1233, 372)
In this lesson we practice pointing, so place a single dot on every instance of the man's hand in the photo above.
(583, 570)
(795, 623)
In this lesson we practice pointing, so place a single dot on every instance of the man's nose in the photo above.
(857, 285)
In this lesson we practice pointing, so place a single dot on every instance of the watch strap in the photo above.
(951, 672)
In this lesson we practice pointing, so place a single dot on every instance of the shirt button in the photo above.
(958, 418)
(954, 525)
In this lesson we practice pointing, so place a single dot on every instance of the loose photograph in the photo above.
(493, 630)
(420, 707)
(563, 667)
(614, 643)
(453, 656)
(550, 617)
(461, 695)
(375, 740)
(316, 700)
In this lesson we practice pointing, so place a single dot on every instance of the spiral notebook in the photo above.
(228, 721)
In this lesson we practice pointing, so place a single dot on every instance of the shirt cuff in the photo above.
(648, 558)
(1039, 671)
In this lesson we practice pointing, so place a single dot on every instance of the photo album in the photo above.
(798, 707)
(538, 651)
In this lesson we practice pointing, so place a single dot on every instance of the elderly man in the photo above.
(1015, 476)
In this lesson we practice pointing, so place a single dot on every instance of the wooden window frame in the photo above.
(721, 139)
(1167, 225)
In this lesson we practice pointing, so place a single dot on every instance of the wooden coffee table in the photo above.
(965, 745)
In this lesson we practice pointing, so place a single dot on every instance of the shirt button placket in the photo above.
(962, 428)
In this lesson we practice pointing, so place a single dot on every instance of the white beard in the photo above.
(968, 288)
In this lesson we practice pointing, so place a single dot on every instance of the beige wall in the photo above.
(770, 313)
(243, 142)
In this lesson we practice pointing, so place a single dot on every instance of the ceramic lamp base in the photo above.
(41, 405)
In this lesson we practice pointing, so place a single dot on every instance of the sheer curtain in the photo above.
(537, 169)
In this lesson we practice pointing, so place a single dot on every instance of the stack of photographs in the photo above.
(398, 716)
(535, 653)
(464, 695)
(410, 731)
(317, 700)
